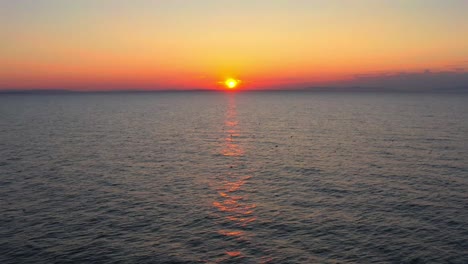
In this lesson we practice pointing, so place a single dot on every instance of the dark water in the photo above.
(234, 178)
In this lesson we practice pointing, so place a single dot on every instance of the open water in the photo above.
(266, 177)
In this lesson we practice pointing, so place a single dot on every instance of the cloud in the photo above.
(413, 81)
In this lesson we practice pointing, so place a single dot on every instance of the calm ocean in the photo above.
(260, 177)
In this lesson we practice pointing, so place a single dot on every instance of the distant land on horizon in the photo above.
(463, 89)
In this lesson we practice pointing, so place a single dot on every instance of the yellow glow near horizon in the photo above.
(231, 83)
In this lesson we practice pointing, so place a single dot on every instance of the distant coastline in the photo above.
(307, 89)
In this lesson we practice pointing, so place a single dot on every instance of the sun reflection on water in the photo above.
(233, 204)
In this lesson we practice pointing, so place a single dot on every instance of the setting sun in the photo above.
(231, 83)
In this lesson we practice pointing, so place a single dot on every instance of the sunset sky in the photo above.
(267, 44)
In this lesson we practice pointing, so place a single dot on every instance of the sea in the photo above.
(246, 177)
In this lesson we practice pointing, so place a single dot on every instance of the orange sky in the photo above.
(111, 45)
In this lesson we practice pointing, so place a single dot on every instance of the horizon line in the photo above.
(304, 89)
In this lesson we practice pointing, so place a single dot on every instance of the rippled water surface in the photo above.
(234, 178)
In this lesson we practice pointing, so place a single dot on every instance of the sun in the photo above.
(231, 83)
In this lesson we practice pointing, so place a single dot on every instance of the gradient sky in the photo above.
(180, 44)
